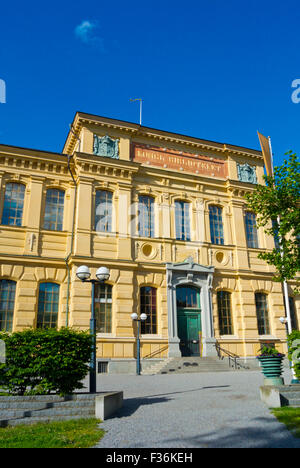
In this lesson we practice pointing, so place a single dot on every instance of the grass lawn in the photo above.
(80, 433)
(290, 417)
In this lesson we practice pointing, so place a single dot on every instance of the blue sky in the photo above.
(211, 69)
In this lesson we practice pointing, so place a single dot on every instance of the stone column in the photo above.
(174, 350)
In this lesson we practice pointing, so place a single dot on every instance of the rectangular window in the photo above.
(146, 216)
(103, 211)
(13, 204)
(7, 304)
(103, 308)
(262, 314)
(54, 210)
(251, 230)
(149, 307)
(48, 305)
(224, 312)
(182, 220)
(216, 225)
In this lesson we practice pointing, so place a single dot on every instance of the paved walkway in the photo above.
(193, 410)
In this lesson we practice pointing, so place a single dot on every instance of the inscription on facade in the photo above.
(168, 159)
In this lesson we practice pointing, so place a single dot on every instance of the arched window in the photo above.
(251, 230)
(182, 220)
(262, 313)
(13, 204)
(216, 225)
(224, 312)
(103, 308)
(48, 305)
(146, 216)
(294, 321)
(103, 211)
(7, 304)
(149, 307)
(54, 210)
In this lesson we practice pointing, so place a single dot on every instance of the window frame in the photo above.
(18, 220)
(8, 312)
(42, 314)
(108, 311)
(224, 307)
(184, 219)
(148, 326)
(216, 225)
(55, 210)
(108, 205)
(262, 314)
(147, 223)
(251, 230)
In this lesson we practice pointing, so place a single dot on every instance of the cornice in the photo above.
(136, 131)
(31, 162)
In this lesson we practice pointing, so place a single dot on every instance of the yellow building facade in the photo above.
(166, 213)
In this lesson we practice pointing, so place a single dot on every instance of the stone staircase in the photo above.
(290, 395)
(45, 408)
(184, 365)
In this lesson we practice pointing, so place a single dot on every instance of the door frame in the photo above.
(190, 312)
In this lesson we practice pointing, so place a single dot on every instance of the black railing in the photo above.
(232, 358)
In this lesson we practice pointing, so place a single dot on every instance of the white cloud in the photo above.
(87, 33)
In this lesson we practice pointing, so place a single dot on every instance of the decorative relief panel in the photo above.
(106, 146)
(247, 173)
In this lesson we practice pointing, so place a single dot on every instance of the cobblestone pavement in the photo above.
(207, 410)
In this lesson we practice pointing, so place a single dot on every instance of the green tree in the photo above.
(277, 206)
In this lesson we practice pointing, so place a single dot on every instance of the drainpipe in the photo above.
(77, 137)
(72, 242)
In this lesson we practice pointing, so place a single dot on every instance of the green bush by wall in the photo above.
(45, 360)
(294, 351)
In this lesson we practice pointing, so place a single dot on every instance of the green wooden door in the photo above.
(189, 320)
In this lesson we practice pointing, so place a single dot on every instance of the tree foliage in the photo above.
(277, 206)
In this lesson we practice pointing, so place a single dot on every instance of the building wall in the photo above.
(31, 254)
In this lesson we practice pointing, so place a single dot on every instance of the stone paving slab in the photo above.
(212, 410)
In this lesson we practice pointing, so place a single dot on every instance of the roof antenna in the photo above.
(141, 104)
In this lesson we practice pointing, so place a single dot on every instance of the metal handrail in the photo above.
(231, 357)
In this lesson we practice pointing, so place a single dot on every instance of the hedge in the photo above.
(45, 360)
(294, 351)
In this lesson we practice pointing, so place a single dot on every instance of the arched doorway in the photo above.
(189, 320)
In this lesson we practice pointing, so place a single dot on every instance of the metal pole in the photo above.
(93, 334)
(138, 357)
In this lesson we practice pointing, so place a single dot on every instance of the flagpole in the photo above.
(285, 285)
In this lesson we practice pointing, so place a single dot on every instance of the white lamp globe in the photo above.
(143, 317)
(83, 272)
(102, 274)
(134, 316)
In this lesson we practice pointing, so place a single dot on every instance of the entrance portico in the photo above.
(197, 276)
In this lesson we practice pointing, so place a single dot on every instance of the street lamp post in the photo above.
(138, 319)
(102, 274)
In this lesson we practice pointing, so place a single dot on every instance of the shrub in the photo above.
(45, 360)
(294, 351)
(267, 351)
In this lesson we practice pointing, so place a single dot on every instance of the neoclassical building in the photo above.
(167, 214)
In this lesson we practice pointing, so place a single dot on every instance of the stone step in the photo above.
(14, 414)
(44, 419)
(294, 402)
(190, 364)
(15, 405)
(48, 398)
